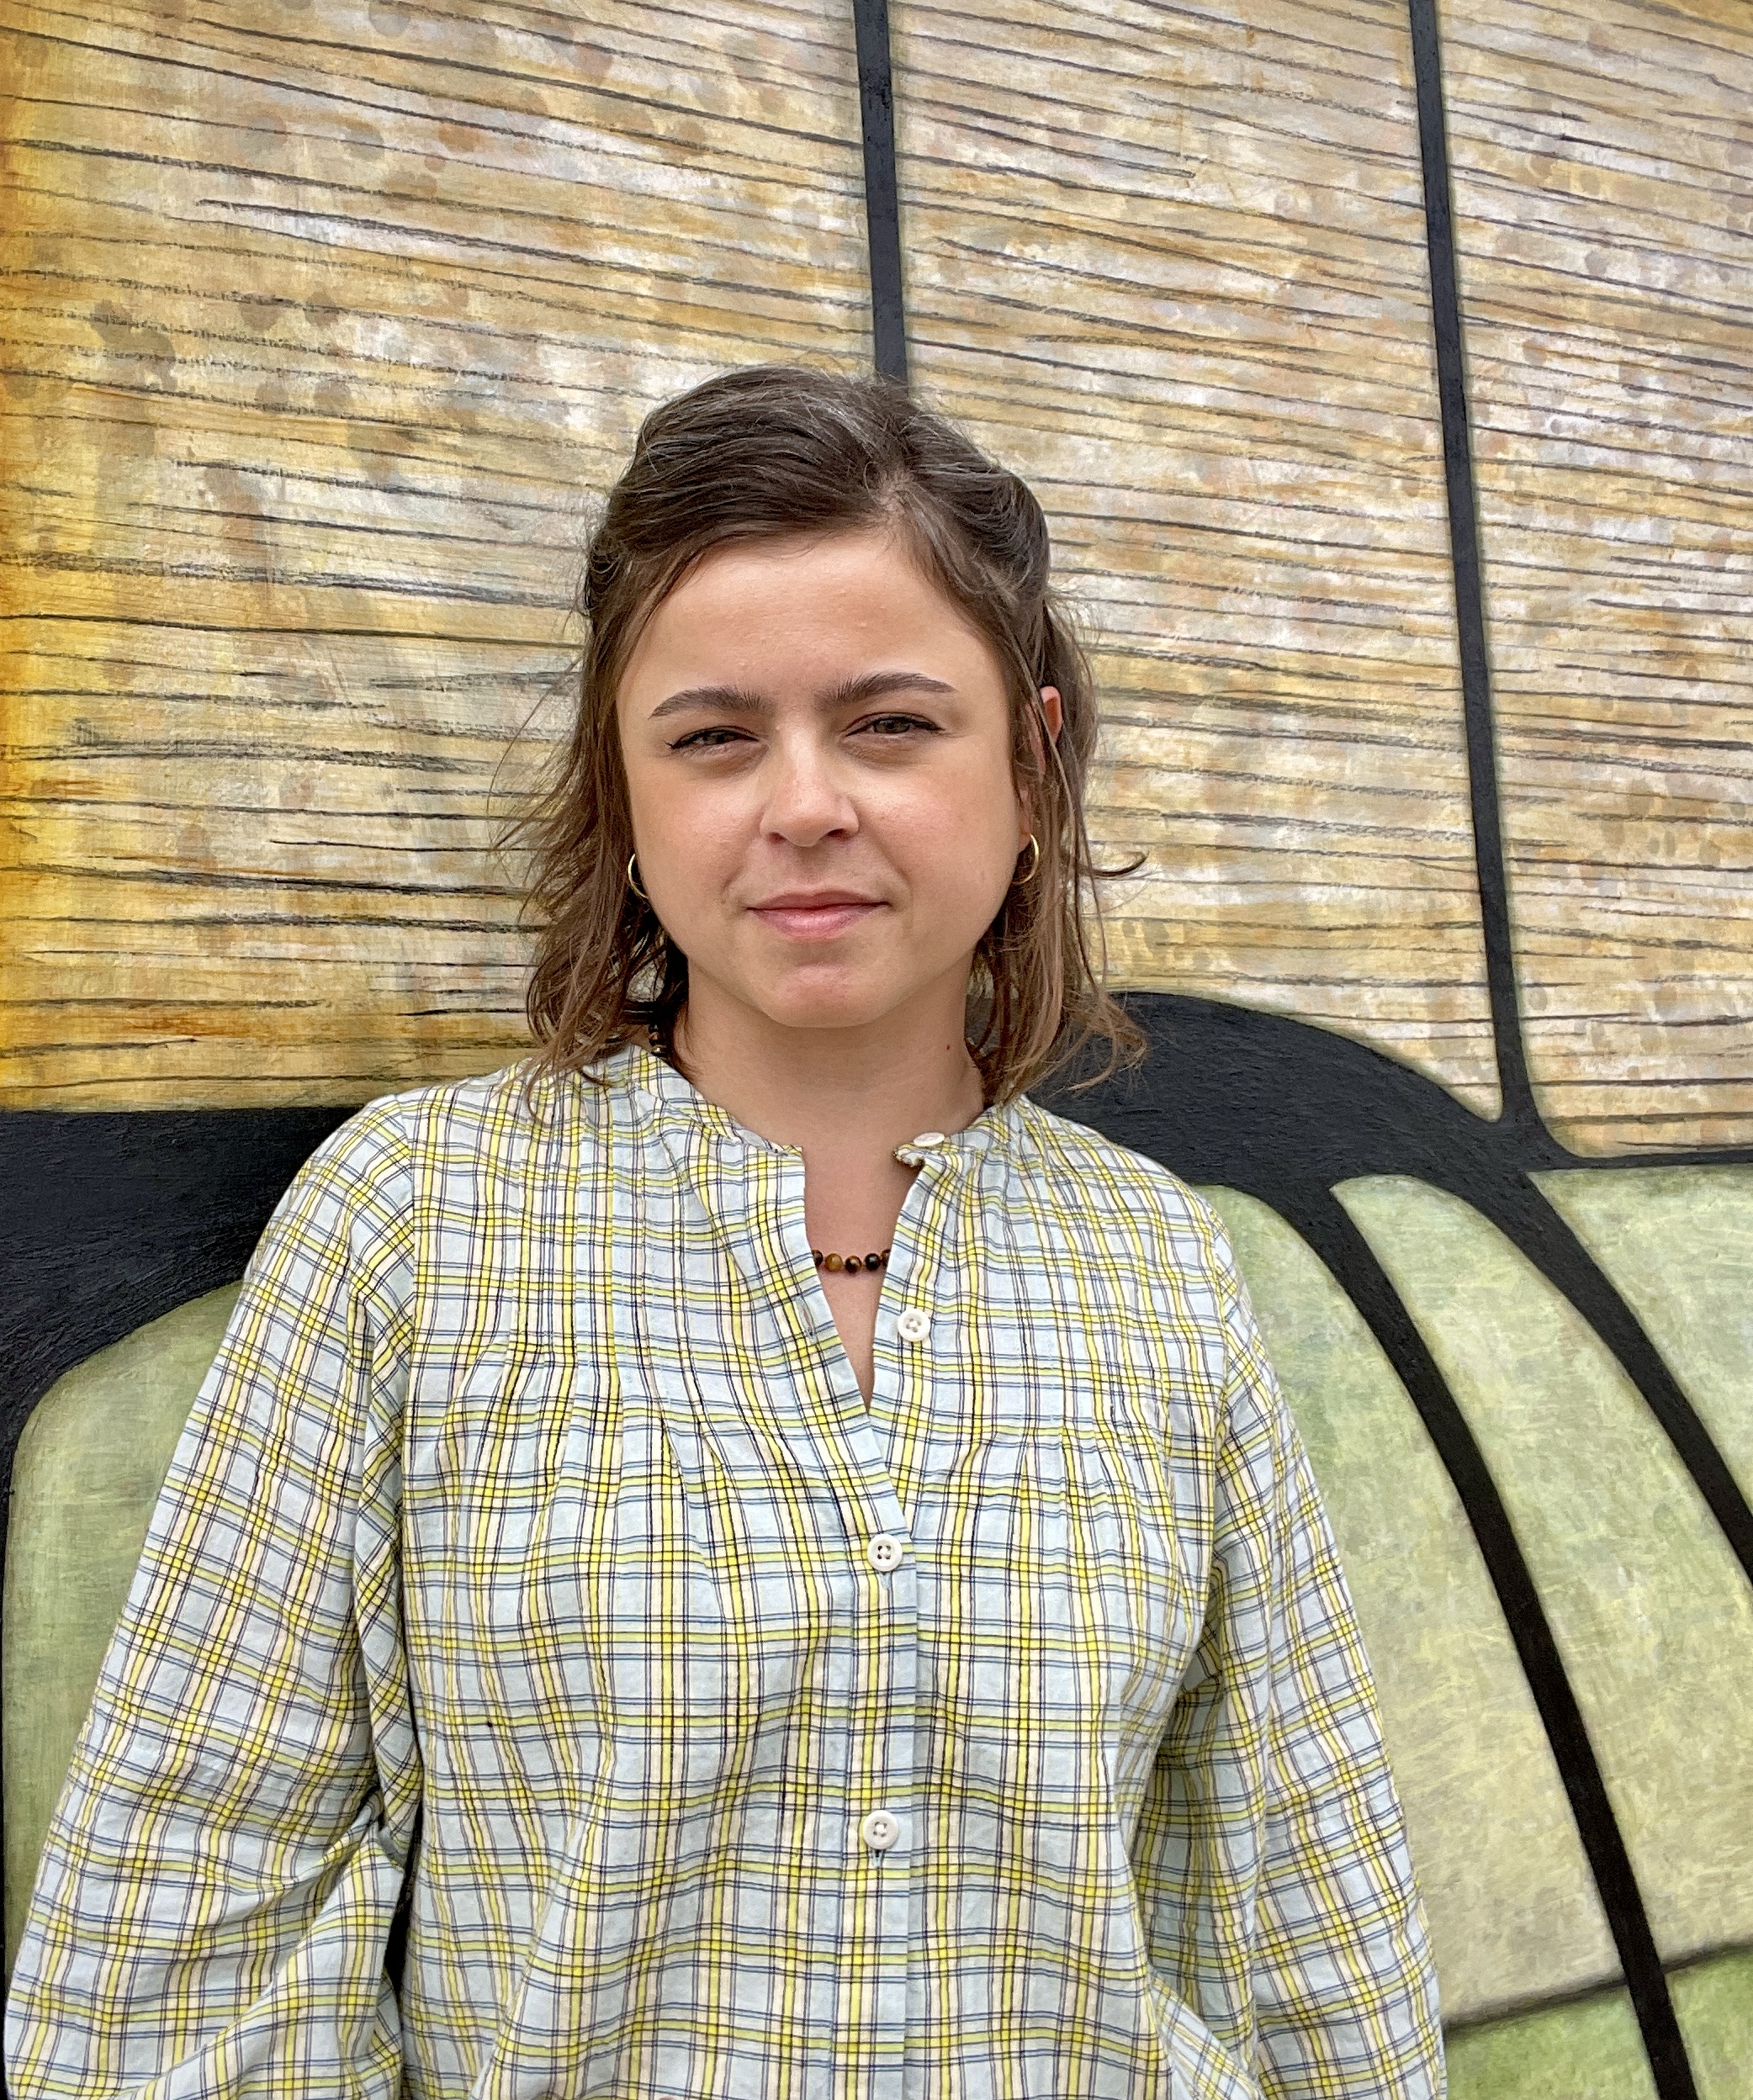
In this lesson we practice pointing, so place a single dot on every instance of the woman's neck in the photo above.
(846, 1097)
(838, 1093)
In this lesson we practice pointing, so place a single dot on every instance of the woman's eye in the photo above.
(896, 725)
(709, 739)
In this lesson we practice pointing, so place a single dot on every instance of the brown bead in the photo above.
(815, 1256)
(853, 1265)
(835, 1263)
(873, 1261)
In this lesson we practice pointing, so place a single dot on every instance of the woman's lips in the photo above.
(814, 922)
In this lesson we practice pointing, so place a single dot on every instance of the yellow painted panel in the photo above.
(1170, 264)
(1650, 1610)
(1678, 1243)
(1601, 179)
(324, 323)
(1514, 1916)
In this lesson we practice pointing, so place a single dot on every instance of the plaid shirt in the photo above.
(1009, 1736)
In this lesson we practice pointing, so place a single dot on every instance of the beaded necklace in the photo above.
(851, 1264)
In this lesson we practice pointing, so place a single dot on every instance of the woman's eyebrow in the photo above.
(875, 685)
(714, 699)
(851, 693)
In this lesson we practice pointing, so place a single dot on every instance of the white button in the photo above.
(880, 1829)
(930, 1137)
(914, 1325)
(886, 1552)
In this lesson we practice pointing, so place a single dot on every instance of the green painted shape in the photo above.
(1653, 1614)
(1678, 1242)
(1513, 1912)
(1588, 2051)
(1592, 2051)
(89, 1465)
(1714, 2002)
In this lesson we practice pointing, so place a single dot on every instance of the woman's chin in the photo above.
(838, 995)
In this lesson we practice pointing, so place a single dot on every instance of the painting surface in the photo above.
(1419, 607)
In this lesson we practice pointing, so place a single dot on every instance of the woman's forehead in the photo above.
(805, 613)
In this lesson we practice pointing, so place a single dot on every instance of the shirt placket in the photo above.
(912, 1341)
(884, 1840)
(876, 1675)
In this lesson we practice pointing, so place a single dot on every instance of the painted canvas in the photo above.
(1384, 372)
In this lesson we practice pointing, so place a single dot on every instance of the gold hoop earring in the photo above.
(1032, 846)
(633, 880)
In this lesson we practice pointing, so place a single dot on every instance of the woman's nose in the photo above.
(807, 801)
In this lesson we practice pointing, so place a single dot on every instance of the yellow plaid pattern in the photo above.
(524, 1530)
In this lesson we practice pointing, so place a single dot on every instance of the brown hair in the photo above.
(765, 454)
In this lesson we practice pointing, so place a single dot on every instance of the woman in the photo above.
(790, 1551)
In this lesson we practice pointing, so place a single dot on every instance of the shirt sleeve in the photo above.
(212, 1905)
(1278, 1846)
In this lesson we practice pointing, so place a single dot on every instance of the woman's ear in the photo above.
(1051, 709)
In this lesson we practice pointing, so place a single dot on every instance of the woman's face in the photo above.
(818, 753)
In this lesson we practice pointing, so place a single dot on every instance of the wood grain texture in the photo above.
(1604, 181)
(1170, 264)
(324, 322)
(323, 326)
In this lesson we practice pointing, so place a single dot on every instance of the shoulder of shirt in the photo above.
(1083, 1163)
(455, 1115)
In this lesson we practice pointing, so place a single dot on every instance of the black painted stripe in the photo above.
(1519, 1107)
(115, 1217)
(1329, 1229)
(883, 196)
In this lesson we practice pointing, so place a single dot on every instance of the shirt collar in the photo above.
(671, 1097)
